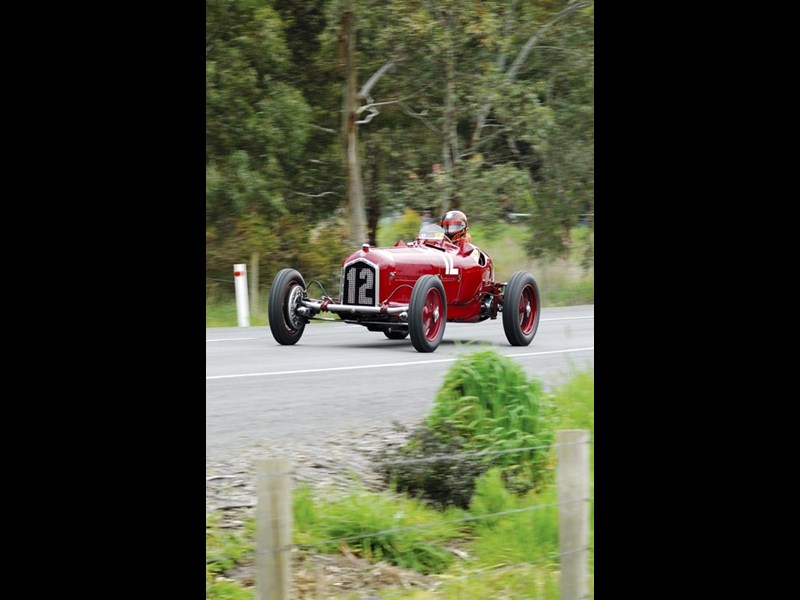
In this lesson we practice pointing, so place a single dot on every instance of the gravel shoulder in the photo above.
(328, 466)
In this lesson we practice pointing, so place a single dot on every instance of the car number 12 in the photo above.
(367, 285)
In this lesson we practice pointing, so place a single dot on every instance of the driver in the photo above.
(454, 223)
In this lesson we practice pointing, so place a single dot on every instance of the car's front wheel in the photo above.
(285, 322)
(521, 307)
(427, 313)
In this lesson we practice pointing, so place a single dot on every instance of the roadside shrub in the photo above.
(445, 482)
(487, 399)
(485, 404)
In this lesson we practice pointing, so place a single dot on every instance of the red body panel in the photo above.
(466, 273)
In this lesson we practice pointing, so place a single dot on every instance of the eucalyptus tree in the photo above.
(319, 186)
(506, 89)
(257, 124)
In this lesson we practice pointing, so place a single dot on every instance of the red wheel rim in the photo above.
(432, 315)
(528, 309)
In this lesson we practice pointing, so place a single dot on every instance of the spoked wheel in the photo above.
(398, 334)
(427, 313)
(521, 307)
(286, 323)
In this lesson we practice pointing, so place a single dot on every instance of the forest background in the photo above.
(334, 122)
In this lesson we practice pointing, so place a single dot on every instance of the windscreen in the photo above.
(431, 231)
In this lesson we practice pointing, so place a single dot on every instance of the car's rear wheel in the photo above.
(521, 308)
(285, 322)
(427, 313)
(396, 334)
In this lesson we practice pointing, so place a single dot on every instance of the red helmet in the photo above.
(454, 223)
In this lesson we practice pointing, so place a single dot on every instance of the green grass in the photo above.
(569, 293)
(516, 538)
(574, 399)
(226, 549)
(361, 513)
(223, 589)
(223, 314)
(510, 556)
(498, 549)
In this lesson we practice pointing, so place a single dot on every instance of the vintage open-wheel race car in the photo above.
(412, 290)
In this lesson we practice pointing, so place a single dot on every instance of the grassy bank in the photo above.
(467, 554)
(223, 314)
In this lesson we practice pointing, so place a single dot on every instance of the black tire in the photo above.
(396, 335)
(521, 309)
(427, 313)
(286, 325)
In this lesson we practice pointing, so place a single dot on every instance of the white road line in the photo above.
(551, 352)
(566, 318)
(231, 340)
(402, 364)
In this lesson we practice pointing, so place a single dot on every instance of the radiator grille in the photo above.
(359, 282)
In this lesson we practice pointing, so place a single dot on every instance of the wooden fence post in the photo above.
(273, 529)
(572, 479)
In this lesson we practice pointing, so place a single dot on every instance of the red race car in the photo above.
(411, 289)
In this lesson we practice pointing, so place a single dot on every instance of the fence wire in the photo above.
(440, 524)
(221, 280)
(410, 528)
(439, 457)
(443, 457)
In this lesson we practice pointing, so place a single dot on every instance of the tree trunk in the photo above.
(355, 186)
(449, 133)
(371, 189)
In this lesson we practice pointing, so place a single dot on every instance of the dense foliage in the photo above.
(488, 409)
(487, 106)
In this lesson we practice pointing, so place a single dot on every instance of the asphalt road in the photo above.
(343, 377)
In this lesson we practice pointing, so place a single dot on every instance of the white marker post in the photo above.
(242, 305)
